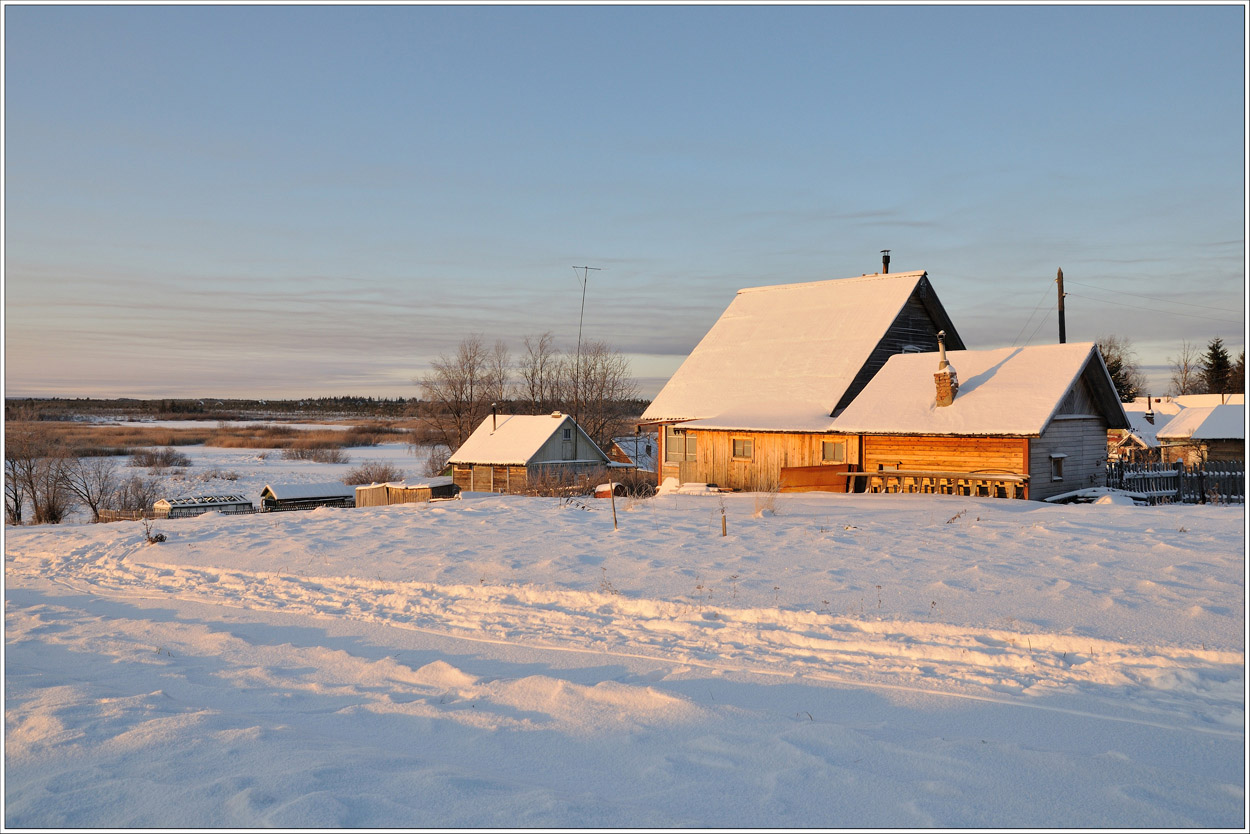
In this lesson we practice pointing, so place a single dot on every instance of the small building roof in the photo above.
(1008, 391)
(514, 439)
(1219, 422)
(306, 492)
(421, 483)
(781, 358)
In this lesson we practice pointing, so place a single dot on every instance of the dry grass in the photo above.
(86, 440)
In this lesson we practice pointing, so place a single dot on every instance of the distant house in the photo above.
(275, 497)
(1205, 433)
(1021, 422)
(759, 393)
(405, 492)
(517, 453)
(637, 451)
(193, 505)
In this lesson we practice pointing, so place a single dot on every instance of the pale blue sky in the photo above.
(317, 200)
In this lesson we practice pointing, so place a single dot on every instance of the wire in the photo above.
(1151, 297)
(1054, 308)
(1149, 310)
(1030, 318)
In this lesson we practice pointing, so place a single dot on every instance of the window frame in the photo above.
(838, 445)
(1056, 465)
(747, 446)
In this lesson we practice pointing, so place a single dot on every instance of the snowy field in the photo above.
(834, 661)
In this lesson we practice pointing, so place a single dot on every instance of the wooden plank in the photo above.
(830, 478)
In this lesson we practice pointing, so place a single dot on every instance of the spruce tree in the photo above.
(1216, 368)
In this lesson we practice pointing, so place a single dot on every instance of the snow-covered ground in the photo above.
(834, 661)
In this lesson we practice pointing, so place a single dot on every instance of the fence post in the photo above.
(1180, 482)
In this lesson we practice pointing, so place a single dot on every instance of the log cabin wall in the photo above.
(715, 462)
(954, 454)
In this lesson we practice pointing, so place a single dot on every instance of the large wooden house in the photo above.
(1025, 422)
(520, 453)
(758, 394)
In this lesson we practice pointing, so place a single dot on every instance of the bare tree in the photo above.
(602, 390)
(1121, 360)
(1186, 371)
(456, 393)
(498, 373)
(539, 373)
(93, 481)
(137, 493)
(35, 468)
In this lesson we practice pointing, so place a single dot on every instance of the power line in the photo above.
(1150, 297)
(1149, 310)
(1030, 318)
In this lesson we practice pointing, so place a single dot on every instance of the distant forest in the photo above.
(215, 408)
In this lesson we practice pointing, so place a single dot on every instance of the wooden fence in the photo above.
(1212, 482)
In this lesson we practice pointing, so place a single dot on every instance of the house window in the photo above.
(833, 451)
(568, 434)
(744, 448)
(679, 446)
(1056, 466)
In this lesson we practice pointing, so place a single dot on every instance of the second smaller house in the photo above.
(1200, 434)
(406, 492)
(277, 497)
(192, 505)
(1014, 422)
(522, 453)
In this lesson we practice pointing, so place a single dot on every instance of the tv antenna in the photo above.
(577, 365)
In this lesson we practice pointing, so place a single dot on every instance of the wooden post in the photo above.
(612, 489)
(1063, 332)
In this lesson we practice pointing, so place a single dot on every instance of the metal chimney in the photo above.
(885, 261)
(494, 422)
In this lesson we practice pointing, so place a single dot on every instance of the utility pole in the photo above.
(577, 366)
(1063, 330)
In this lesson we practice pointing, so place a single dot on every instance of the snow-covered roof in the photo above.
(514, 439)
(1219, 422)
(421, 483)
(635, 447)
(1143, 429)
(1207, 400)
(781, 358)
(1007, 391)
(300, 492)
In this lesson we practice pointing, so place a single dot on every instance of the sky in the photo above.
(292, 201)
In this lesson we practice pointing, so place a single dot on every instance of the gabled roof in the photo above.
(781, 358)
(1008, 391)
(1220, 422)
(307, 492)
(514, 439)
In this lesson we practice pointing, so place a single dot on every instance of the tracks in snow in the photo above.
(1161, 685)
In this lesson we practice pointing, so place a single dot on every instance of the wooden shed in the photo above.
(758, 394)
(1022, 422)
(192, 505)
(522, 453)
(406, 492)
(278, 497)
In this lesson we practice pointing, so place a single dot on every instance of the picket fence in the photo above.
(1212, 482)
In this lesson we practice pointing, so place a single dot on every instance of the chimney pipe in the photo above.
(885, 261)
(494, 420)
(946, 381)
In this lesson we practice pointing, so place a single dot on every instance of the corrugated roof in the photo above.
(204, 500)
(1008, 391)
(780, 358)
(301, 492)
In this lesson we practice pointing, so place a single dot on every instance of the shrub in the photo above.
(316, 454)
(373, 472)
(159, 458)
